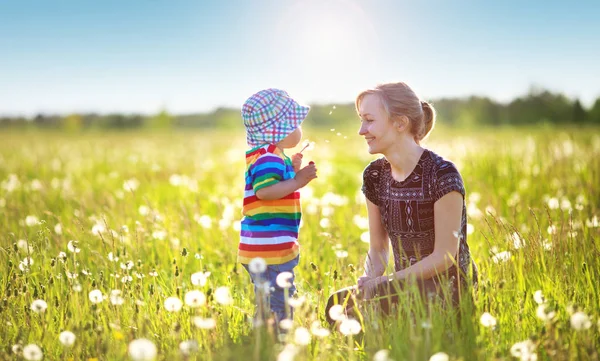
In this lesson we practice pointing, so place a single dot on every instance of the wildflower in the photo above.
(77, 287)
(32, 352)
(188, 347)
(302, 336)
(127, 265)
(142, 350)
(153, 273)
(318, 331)
(25, 264)
(336, 312)
(173, 304)
(200, 278)
(112, 257)
(341, 253)
(62, 256)
(204, 323)
(538, 297)
(487, 320)
(126, 279)
(24, 245)
(71, 275)
(257, 265)
(284, 279)
(39, 306)
(552, 229)
(580, 321)
(517, 241)
(73, 247)
(67, 338)
(501, 257)
(96, 296)
(115, 298)
(31, 221)
(195, 299)
(440, 356)
(349, 327)
(223, 296)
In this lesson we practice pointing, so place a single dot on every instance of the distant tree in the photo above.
(579, 113)
(72, 123)
(594, 113)
(162, 120)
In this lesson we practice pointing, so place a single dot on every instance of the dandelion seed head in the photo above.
(188, 347)
(302, 336)
(381, 355)
(318, 331)
(173, 304)
(350, 326)
(336, 312)
(538, 297)
(142, 350)
(200, 278)
(580, 321)
(286, 324)
(257, 265)
(39, 306)
(440, 356)
(487, 320)
(195, 299)
(115, 298)
(67, 338)
(223, 296)
(96, 296)
(296, 302)
(31, 221)
(32, 352)
(204, 323)
(284, 279)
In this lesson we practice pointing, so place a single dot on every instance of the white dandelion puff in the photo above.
(284, 279)
(286, 324)
(115, 298)
(525, 350)
(127, 265)
(382, 355)
(440, 356)
(31, 221)
(58, 229)
(173, 304)
(318, 331)
(67, 338)
(341, 253)
(96, 296)
(204, 323)
(131, 185)
(487, 320)
(544, 313)
(580, 321)
(142, 350)
(32, 352)
(365, 237)
(195, 299)
(39, 306)
(296, 302)
(223, 296)
(188, 347)
(200, 278)
(26, 264)
(538, 297)
(350, 327)
(302, 336)
(336, 312)
(500, 257)
(257, 265)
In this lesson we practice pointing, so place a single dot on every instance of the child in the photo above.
(271, 199)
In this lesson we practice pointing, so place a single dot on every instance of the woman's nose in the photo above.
(363, 129)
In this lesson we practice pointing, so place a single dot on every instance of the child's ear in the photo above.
(401, 123)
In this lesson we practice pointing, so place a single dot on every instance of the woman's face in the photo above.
(374, 125)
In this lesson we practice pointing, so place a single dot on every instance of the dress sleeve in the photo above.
(447, 179)
(267, 170)
(371, 176)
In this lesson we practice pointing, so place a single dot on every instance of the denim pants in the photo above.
(274, 301)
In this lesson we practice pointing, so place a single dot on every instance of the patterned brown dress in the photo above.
(407, 211)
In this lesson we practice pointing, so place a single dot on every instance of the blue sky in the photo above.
(191, 56)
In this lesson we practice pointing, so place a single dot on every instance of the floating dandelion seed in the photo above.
(318, 331)
(67, 338)
(32, 352)
(115, 298)
(204, 323)
(580, 321)
(350, 327)
(142, 350)
(440, 356)
(195, 299)
(188, 347)
(302, 336)
(96, 296)
(487, 320)
(173, 304)
(39, 306)
(223, 296)
(336, 312)
(284, 279)
(538, 297)
(257, 265)
(200, 278)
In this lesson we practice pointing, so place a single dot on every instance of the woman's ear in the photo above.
(401, 123)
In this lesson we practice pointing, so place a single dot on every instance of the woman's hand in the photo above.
(368, 286)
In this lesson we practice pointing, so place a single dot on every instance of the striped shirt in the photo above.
(269, 227)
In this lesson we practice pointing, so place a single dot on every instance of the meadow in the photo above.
(118, 246)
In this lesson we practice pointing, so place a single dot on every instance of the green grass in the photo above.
(539, 187)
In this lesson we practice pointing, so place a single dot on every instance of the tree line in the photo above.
(536, 107)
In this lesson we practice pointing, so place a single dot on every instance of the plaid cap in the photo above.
(271, 115)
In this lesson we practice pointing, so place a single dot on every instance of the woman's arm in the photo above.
(379, 245)
(447, 221)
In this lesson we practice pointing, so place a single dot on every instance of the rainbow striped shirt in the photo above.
(269, 228)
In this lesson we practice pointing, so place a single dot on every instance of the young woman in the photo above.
(415, 203)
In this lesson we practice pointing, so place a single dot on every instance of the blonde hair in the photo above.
(399, 99)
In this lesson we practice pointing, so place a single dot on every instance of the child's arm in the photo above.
(283, 188)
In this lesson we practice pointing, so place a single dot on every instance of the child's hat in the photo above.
(271, 115)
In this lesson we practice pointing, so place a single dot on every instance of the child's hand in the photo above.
(297, 161)
(306, 174)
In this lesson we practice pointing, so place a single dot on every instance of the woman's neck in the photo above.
(403, 159)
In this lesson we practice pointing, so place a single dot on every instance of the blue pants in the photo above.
(274, 301)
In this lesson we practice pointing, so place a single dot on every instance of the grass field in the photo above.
(104, 228)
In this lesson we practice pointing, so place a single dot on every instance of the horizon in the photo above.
(189, 57)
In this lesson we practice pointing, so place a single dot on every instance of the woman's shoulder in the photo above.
(440, 166)
(375, 167)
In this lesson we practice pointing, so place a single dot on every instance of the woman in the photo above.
(415, 198)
